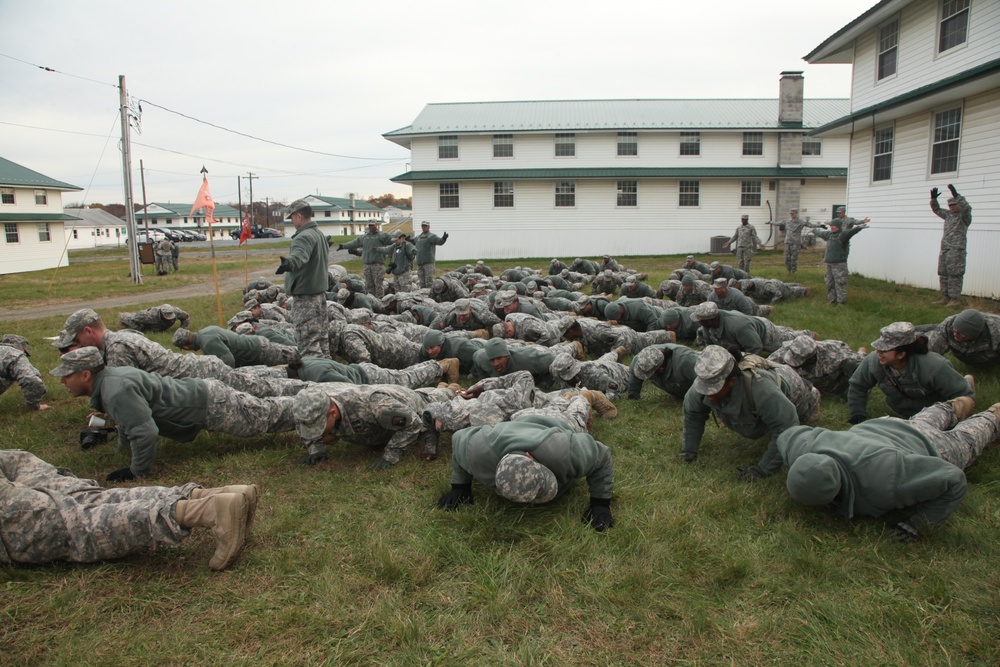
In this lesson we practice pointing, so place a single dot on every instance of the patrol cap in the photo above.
(952, 201)
(607, 273)
(688, 280)
(80, 359)
(690, 257)
(251, 303)
(712, 368)
(607, 256)
(814, 479)
(433, 338)
(168, 315)
(895, 335)
(343, 294)
(799, 350)
(578, 260)
(239, 318)
(252, 294)
(555, 261)
(297, 206)
(744, 217)
(613, 311)
(505, 298)
(524, 480)
(74, 324)
(707, 310)
(360, 316)
(14, 340)
(714, 265)
(463, 307)
(496, 348)
(720, 282)
(841, 209)
(631, 278)
(387, 299)
(480, 263)
(438, 286)
(969, 322)
(564, 273)
(396, 234)
(181, 337)
(647, 362)
(310, 409)
(245, 329)
(793, 210)
(424, 223)
(565, 366)
(499, 329)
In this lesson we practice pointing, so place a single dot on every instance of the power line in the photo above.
(55, 71)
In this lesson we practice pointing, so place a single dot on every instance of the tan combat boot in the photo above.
(963, 406)
(672, 336)
(481, 333)
(995, 411)
(249, 491)
(226, 515)
(449, 370)
(972, 383)
(580, 354)
(620, 352)
(863, 350)
(601, 404)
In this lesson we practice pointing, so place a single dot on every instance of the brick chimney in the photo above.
(790, 94)
(790, 98)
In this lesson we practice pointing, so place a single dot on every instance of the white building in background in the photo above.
(93, 228)
(167, 215)
(925, 112)
(31, 212)
(339, 216)
(626, 177)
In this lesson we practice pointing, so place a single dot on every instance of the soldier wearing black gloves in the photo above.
(951, 259)
(531, 460)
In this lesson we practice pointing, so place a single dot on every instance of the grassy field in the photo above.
(348, 566)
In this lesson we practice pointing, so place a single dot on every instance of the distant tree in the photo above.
(117, 210)
(389, 199)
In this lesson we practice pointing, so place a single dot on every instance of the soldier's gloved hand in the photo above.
(380, 464)
(444, 237)
(903, 532)
(954, 192)
(856, 419)
(340, 247)
(935, 193)
(460, 494)
(750, 473)
(123, 475)
(598, 515)
(389, 269)
(283, 266)
(689, 457)
(824, 227)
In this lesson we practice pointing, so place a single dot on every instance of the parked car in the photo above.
(266, 233)
(154, 236)
(174, 235)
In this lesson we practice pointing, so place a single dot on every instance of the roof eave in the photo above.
(835, 49)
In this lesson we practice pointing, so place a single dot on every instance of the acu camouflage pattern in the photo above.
(501, 397)
(829, 368)
(48, 516)
(764, 289)
(981, 351)
(15, 367)
(958, 443)
(157, 318)
(424, 374)
(951, 258)
(604, 375)
(360, 344)
(746, 241)
(793, 241)
(309, 315)
(240, 414)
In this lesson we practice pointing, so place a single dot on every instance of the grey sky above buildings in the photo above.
(331, 77)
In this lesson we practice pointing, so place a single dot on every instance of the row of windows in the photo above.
(564, 145)
(953, 30)
(945, 141)
(12, 235)
(7, 196)
(627, 194)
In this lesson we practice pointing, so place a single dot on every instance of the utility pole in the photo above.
(251, 178)
(145, 206)
(133, 247)
(267, 212)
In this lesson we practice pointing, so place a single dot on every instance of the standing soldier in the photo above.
(306, 279)
(838, 247)
(175, 252)
(371, 256)
(157, 318)
(951, 260)
(793, 239)
(163, 250)
(847, 222)
(747, 241)
(426, 252)
(15, 367)
(402, 253)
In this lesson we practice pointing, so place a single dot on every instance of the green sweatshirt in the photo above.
(235, 350)
(371, 244)
(307, 261)
(321, 369)
(677, 377)
(532, 358)
(926, 380)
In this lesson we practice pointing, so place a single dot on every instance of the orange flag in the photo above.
(204, 199)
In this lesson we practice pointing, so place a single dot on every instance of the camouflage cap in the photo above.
(607, 273)
(707, 310)
(836, 223)
(239, 318)
(952, 201)
(182, 337)
(343, 294)
(578, 260)
(647, 362)
(687, 280)
(498, 330)
(565, 367)
(505, 298)
(251, 294)
(310, 409)
(607, 256)
(841, 209)
(297, 206)
(712, 368)
(715, 265)
(720, 282)
(80, 359)
(438, 286)
(744, 217)
(74, 324)
(463, 307)
(524, 480)
(496, 348)
(895, 335)
(814, 479)
(396, 234)
(969, 322)
(14, 340)
(360, 316)
(424, 223)
(245, 329)
(167, 313)
(480, 263)
(564, 273)
(690, 258)
(387, 299)
(799, 350)
(251, 303)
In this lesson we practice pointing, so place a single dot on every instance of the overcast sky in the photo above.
(331, 77)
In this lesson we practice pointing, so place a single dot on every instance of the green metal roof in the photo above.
(619, 172)
(970, 75)
(612, 115)
(35, 217)
(342, 203)
(13, 174)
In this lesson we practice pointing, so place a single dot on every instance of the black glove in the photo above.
(444, 237)
(903, 532)
(954, 192)
(283, 266)
(856, 419)
(340, 247)
(123, 475)
(598, 515)
(355, 251)
(389, 269)
(380, 464)
(750, 473)
(689, 457)
(460, 494)
(824, 227)
(935, 193)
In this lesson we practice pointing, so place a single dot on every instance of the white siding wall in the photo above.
(918, 62)
(87, 237)
(817, 198)
(30, 254)
(900, 212)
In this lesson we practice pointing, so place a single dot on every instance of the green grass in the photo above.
(349, 566)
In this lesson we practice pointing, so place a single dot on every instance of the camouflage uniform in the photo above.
(734, 300)
(360, 344)
(270, 311)
(727, 272)
(15, 367)
(260, 283)
(754, 335)
(678, 370)
(600, 337)
(501, 397)
(838, 247)
(605, 283)
(691, 295)
(48, 515)
(793, 240)
(605, 375)
(747, 242)
(572, 409)
(533, 330)
(163, 249)
(481, 316)
(318, 369)
(158, 318)
(633, 289)
(983, 328)
(951, 259)
(311, 325)
(370, 242)
(957, 442)
(401, 264)
(764, 289)
(448, 288)
(827, 364)
(426, 250)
